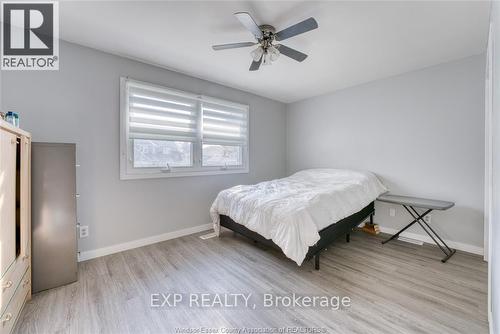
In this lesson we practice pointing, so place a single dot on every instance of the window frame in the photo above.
(127, 170)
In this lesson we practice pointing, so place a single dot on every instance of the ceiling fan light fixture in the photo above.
(257, 53)
(266, 59)
(274, 53)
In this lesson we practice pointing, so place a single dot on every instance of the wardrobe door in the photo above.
(8, 149)
(53, 215)
(25, 198)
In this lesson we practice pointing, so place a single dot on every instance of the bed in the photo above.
(301, 214)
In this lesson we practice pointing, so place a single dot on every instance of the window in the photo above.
(158, 153)
(166, 133)
(224, 135)
(222, 155)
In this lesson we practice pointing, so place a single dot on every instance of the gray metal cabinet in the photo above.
(54, 243)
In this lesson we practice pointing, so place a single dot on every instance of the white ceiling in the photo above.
(356, 42)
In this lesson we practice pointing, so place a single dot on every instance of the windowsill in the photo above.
(125, 176)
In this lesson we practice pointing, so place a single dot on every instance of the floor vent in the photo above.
(208, 236)
(411, 241)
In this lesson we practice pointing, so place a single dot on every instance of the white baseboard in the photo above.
(91, 254)
(453, 244)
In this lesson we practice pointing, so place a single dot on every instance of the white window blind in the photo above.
(157, 114)
(166, 132)
(224, 125)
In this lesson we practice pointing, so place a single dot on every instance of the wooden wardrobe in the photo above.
(15, 223)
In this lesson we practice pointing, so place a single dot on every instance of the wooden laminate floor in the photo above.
(394, 288)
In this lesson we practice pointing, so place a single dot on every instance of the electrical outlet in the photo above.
(428, 218)
(84, 231)
(392, 212)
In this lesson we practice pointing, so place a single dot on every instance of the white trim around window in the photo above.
(170, 133)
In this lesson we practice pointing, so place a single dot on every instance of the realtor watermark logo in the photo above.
(30, 35)
(248, 300)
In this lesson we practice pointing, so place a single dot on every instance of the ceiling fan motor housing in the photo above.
(268, 35)
(266, 28)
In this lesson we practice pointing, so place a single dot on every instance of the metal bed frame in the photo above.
(327, 235)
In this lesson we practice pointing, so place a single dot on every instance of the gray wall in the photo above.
(80, 104)
(421, 132)
(494, 264)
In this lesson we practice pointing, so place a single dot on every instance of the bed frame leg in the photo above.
(371, 219)
(316, 261)
(348, 237)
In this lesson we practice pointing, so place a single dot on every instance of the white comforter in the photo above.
(291, 211)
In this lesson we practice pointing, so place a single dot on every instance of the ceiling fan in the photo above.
(268, 51)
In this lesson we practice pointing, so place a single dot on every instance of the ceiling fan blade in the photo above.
(256, 64)
(232, 45)
(297, 29)
(292, 53)
(249, 23)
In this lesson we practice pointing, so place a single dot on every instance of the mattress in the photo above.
(291, 211)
